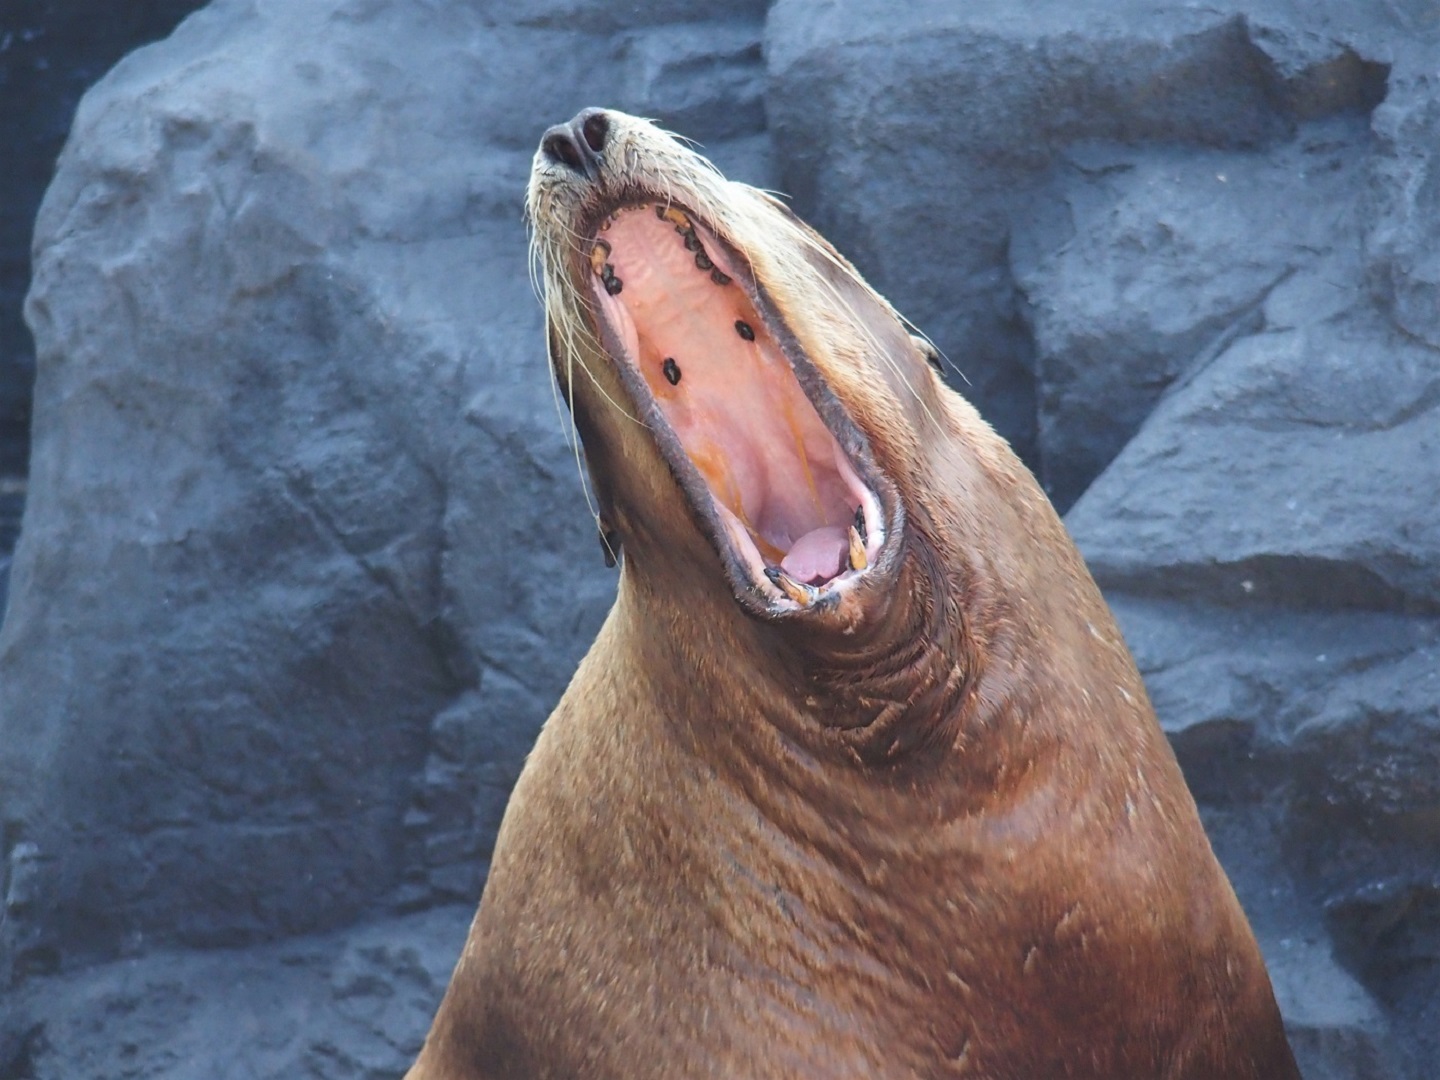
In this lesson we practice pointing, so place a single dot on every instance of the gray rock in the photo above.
(607, 17)
(1336, 1026)
(1402, 241)
(351, 1005)
(709, 86)
(1162, 257)
(1353, 399)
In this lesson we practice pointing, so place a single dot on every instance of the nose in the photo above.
(578, 144)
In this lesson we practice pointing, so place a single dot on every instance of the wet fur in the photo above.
(936, 832)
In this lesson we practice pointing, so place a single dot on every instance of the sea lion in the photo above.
(859, 778)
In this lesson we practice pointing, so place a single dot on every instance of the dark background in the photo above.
(305, 560)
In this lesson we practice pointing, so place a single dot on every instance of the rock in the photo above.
(710, 87)
(1335, 1027)
(351, 1005)
(307, 561)
(1163, 257)
(1357, 402)
(603, 17)
(1402, 240)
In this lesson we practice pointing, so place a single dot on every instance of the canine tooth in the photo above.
(703, 261)
(598, 254)
(803, 595)
(860, 523)
(718, 277)
(858, 559)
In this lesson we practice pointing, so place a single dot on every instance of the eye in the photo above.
(930, 352)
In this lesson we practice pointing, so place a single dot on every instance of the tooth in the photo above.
(675, 217)
(598, 256)
(860, 524)
(803, 595)
(858, 559)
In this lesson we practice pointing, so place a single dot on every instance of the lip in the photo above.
(777, 474)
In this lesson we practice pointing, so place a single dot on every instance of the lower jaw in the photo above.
(861, 542)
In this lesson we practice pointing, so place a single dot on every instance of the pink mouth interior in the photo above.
(780, 481)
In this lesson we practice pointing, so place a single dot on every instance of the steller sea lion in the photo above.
(859, 778)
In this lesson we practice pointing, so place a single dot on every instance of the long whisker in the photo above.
(573, 436)
(574, 355)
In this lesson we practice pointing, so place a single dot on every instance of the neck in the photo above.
(831, 785)
(812, 720)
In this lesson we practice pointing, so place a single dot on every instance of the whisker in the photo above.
(574, 355)
(571, 433)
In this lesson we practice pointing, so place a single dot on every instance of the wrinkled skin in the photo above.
(920, 821)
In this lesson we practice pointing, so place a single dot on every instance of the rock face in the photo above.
(306, 558)
(49, 54)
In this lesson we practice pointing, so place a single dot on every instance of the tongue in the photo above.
(816, 557)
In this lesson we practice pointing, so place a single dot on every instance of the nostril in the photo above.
(559, 145)
(595, 129)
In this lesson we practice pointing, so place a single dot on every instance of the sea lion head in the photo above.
(708, 339)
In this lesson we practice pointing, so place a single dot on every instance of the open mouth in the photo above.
(781, 488)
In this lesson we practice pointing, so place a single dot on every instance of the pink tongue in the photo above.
(815, 557)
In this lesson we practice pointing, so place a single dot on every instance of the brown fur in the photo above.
(935, 832)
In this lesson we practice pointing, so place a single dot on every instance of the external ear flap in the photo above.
(604, 520)
(781, 205)
(558, 367)
(609, 541)
(930, 352)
